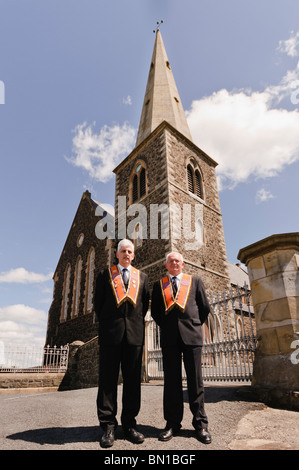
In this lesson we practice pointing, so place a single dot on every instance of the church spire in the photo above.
(161, 101)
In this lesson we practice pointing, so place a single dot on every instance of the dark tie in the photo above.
(174, 286)
(126, 276)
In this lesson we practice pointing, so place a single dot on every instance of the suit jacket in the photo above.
(176, 323)
(115, 321)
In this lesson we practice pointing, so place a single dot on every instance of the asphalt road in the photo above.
(68, 421)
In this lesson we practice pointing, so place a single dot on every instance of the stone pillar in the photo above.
(273, 269)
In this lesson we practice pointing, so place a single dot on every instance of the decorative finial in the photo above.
(158, 23)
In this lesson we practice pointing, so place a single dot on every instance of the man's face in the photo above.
(125, 255)
(174, 264)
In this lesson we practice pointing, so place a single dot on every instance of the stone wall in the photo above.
(83, 365)
(29, 382)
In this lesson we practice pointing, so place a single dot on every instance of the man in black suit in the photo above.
(180, 306)
(121, 303)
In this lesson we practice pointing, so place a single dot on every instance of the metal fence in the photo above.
(229, 339)
(33, 359)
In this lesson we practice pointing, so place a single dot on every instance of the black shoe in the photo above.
(107, 439)
(168, 434)
(133, 435)
(203, 435)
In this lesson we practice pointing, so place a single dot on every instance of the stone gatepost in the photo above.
(273, 269)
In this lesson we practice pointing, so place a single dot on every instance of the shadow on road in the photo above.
(58, 435)
(68, 435)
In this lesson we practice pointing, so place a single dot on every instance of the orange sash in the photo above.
(119, 289)
(182, 294)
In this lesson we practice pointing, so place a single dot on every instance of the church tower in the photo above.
(166, 195)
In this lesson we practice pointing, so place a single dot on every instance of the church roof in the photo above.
(161, 127)
(237, 275)
(161, 101)
(106, 210)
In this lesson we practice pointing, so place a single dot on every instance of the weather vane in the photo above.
(158, 23)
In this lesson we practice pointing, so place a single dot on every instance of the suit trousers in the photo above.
(173, 401)
(129, 358)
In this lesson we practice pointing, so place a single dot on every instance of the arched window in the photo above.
(198, 184)
(90, 280)
(142, 183)
(77, 288)
(65, 294)
(194, 180)
(190, 179)
(138, 182)
(135, 188)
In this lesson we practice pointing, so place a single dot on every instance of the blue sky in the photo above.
(73, 74)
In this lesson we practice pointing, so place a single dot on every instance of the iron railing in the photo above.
(229, 339)
(33, 359)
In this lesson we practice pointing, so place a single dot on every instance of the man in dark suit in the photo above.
(121, 303)
(180, 306)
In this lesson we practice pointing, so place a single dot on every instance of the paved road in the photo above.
(68, 420)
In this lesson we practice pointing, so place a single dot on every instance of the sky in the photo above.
(72, 81)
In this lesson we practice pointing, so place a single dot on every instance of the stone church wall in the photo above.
(83, 326)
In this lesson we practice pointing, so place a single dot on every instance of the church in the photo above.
(166, 199)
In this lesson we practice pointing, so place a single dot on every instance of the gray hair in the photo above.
(125, 242)
(171, 253)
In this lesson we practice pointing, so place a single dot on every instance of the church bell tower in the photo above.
(166, 195)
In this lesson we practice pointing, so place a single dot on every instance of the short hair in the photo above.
(125, 242)
(171, 253)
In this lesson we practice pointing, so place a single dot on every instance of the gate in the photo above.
(229, 339)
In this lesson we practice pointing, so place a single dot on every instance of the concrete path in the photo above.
(68, 421)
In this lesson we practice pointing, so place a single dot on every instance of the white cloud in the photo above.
(290, 81)
(99, 153)
(22, 325)
(13, 334)
(22, 276)
(244, 132)
(291, 45)
(127, 100)
(22, 313)
(263, 195)
(244, 135)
